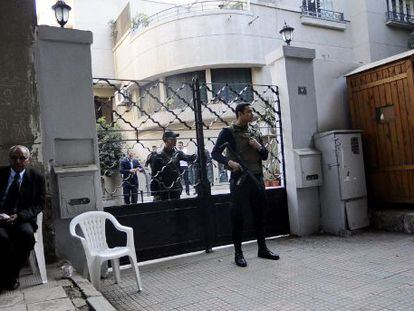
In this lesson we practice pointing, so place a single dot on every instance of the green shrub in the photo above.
(110, 146)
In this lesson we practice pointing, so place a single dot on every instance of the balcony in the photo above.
(322, 18)
(401, 20)
(194, 8)
(311, 11)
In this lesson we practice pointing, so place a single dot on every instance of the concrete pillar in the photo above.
(292, 71)
(69, 139)
(19, 111)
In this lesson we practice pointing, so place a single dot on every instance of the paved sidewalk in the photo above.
(56, 295)
(367, 271)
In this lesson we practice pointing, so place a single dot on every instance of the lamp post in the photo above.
(61, 12)
(287, 33)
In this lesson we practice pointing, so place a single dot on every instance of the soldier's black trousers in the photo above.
(247, 196)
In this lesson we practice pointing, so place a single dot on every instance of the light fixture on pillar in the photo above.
(61, 12)
(287, 33)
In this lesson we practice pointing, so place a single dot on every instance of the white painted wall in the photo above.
(372, 39)
(224, 38)
(208, 40)
(95, 15)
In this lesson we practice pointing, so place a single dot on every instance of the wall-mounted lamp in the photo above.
(61, 12)
(287, 33)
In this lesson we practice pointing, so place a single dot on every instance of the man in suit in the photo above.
(22, 196)
(129, 169)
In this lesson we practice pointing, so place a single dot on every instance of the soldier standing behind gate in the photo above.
(244, 158)
(166, 178)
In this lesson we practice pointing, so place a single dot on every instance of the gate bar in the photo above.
(203, 187)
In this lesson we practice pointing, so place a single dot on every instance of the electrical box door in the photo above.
(351, 166)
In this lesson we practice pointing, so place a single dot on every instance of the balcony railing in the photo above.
(190, 9)
(311, 11)
(398, 17)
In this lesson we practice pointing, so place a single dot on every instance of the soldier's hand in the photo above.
(12, 218)
(254, 144)
(234, 166)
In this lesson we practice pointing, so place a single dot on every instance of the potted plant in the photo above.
(267, 119)
(271, 166)
(140, 20)
(114, 31)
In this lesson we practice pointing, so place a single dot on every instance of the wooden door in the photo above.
(382, 105)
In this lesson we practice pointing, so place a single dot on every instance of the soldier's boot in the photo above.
(264, 252)
(238, 256)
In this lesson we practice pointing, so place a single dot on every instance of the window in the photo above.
(314, 5)
(148, 95)
(322, 9)
(179, 92)
(400, 11)
(232, 84)
(103, 108)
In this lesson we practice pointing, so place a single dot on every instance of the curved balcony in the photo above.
(142, 21)
(193, 40)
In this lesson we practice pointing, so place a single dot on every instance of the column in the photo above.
(292, 71)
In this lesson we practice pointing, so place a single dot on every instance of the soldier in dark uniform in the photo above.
(247, 143)
(166, 178)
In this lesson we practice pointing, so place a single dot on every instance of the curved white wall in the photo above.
(201, 41)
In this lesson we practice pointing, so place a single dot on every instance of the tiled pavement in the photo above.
(366, 271)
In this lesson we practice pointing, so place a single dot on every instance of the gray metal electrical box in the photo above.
(343, 194)
(76, 189)
(308, 168)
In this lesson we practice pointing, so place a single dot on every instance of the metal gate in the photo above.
(133, 115)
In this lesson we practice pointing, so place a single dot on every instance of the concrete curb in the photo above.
(94, 298)
(396, 220)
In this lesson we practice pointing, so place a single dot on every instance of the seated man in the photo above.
(22, 196)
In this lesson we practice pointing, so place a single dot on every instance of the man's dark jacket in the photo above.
(131, 178)
(32, 194)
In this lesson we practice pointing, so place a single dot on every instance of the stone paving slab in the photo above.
(62, 304)
(366, 271)
(57, 294)
(44, 294)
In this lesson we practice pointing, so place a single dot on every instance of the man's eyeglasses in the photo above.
(15, 158)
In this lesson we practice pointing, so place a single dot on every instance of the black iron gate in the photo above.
(134, 114)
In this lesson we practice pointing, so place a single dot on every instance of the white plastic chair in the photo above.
(96, 248)
(38, 252)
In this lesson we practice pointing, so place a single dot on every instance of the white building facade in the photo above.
(147, 40)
